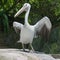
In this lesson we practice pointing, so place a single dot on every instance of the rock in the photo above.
(57, 59)
(16, 54)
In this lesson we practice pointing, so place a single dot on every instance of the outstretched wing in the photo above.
(43, 27)
(17, 26)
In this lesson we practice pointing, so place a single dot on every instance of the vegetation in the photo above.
(39, 9)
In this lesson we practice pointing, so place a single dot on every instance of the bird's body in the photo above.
(27, 34)
(27, 31)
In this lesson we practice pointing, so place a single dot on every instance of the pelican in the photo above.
(27, 31)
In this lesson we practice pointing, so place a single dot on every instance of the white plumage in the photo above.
(27, 31)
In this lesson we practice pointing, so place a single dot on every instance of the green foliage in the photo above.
(6, 23)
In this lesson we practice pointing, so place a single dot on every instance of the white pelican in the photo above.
(27, 31)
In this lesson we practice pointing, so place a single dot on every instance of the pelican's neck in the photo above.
(26, 17)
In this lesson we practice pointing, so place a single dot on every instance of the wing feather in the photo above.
(17, 26)
(43, 27)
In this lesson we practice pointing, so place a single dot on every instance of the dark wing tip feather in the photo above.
(44, 33)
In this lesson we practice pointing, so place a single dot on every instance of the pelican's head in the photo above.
(25, 7)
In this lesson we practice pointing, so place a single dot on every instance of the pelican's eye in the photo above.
(26, 5)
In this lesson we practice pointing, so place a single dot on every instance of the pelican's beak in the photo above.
(20, 11)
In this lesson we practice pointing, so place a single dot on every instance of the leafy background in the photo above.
(39, 9)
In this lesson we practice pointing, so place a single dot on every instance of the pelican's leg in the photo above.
(31, 47)
(23, 47)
